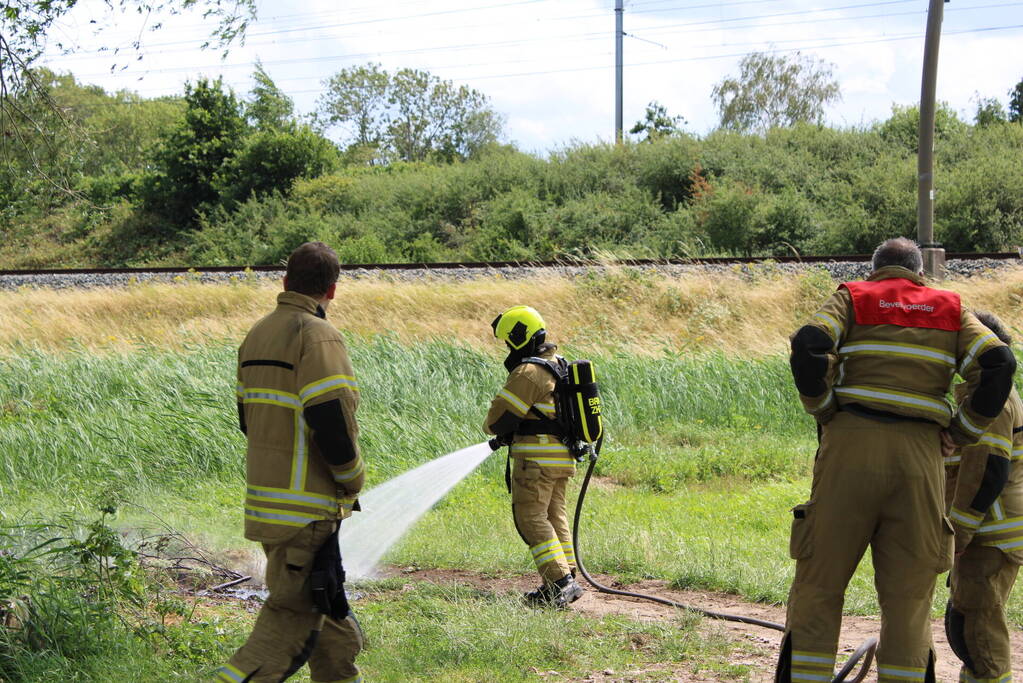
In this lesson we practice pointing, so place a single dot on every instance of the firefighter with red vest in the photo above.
(873, 366)
(984, 495)
(297, 397)
(522, 416)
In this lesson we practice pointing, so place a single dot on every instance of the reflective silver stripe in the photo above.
(1001, 525)
(953, 459)
(898, 398)
(553, 462)
(802, 676)
(974, 347)
(538, 448)
(965, 518)
(266, 395)
(825, 403)
(798, 656)
(230, 673)
(514, 400)
(298, 465)
(997, 441)
(239, 390)
(350, 474)
(290, 497)
(545, 408)
(904, 673)
(290, 517)
(320, 387)
(830, 322)
(1007, 544)
(1017, 453)
(996, 509)
(965, 422)
(900, 349)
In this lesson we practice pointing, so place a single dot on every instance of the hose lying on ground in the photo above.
(864, 652)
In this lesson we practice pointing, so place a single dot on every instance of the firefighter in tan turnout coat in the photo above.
(297, 397)
(873, 367)
(984, 495)
(522, 416)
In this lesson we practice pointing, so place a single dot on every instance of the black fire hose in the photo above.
(865, 651)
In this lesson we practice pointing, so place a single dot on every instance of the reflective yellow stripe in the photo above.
(974, 348)
(546, 408)
(284, 518)
(812, 666)
(831, 323)
(965, 422)
(953, 459)
(966, 677)
(901, 350)
(539, 448)
(352, 472)
(327, 384)
(886, 673)
(1017, 453)
(517, 403)
(272, 397)
(998, 442)
(1000, 526)
(966, 518)
(896, 398)
(239, 390)
(823, 404)
(301, 451)
(230, 673)
(270, 495)
(1014, 543)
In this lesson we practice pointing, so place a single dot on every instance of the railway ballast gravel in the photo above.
(839, 270)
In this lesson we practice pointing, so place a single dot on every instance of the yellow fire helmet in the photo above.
(518, 325)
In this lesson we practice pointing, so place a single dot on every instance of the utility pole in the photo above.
(933, 253)
(619, 33)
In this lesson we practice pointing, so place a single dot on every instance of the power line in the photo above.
(701, 58)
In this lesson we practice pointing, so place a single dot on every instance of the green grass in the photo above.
(704, 458)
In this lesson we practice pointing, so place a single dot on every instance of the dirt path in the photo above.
(760, 644)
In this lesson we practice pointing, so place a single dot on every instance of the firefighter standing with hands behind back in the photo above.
(522, 416)
(873, 366)
(984, 494)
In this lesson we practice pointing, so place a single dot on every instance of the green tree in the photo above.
(1016, 103)
(775, 91)
(191, 158)
(271, 160)
(269, 108)
(903, 128)
(408, 116)
(989, 111)
(657, 123)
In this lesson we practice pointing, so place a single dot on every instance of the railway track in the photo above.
(494, 265)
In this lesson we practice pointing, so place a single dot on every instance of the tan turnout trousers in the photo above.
(538, 507)
(288, 629)
(981, 582)
(880, 485)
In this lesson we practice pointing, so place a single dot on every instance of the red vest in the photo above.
(898, 301)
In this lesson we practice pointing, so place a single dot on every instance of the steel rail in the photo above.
(483, 265)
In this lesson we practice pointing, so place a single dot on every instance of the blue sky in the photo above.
(548, 65)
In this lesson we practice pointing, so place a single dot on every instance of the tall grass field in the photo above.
(102, 445)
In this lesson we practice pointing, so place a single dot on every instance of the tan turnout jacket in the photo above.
(903, 370)
(528, 390)
(1001, 524)
(292, 360)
